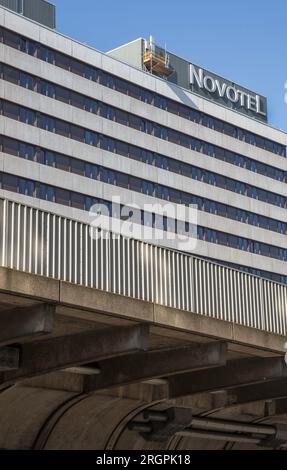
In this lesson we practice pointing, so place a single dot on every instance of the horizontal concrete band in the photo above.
(129, 104)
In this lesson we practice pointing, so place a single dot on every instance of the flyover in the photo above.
(142, 348)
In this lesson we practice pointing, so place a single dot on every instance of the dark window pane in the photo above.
(27, 81)
(11, 110)
(121, 85)
(62, 61)
(122, 148)
(78, 201)
(62, 196)
(10, 183)
(78, 166)
(136, 122)
(122, 180)
(63, 162)
(28, 152)
(10, 146)
(11, 39)
(90, 105)
(62, 128)
(77, 67)
(62, 94)
(77, 100)
(77, 133)
(173, 136)
(121, 117)
(47, 89)
(11, 75)
(134, 91)
(47, 55)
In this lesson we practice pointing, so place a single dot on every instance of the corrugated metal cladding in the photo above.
(14, 5)
(43, 243)
(38, 10)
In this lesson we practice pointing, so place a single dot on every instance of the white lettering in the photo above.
(243, 98)
(212, 85)
(209, 84)
(251, 103)
(194, 76)
(221, 88)
(232, 94)
(258, 106)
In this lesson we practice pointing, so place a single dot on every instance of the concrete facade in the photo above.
(81, 184)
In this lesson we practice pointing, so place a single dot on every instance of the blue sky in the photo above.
(243, 41)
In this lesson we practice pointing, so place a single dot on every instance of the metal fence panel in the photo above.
(38, 242)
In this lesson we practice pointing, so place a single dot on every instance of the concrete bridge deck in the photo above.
(89, 363)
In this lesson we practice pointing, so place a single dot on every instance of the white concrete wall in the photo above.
(78, 150)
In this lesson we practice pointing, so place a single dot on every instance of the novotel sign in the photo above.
(227, 93)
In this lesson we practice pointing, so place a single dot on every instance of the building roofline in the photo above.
(267, 124)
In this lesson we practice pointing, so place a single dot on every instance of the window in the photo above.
(9, 182)
(147, 188)
(135, 153)
(91, 105)
(175, 166)
(27, 81)
(122, 148)
(49, 158)
(174, 196)
(11, 110)
(10, 39)
(121, 85)
(77, 201)
(135, 184)
(62, 94)
(27, 116)
(121, 117)
(123, 180)
(160, 102)
(28, 46)
(77, 100)
(173, 136)
(78, 167)
(50, 193)
(77, 133)
(63, 162)
(62, 196)
(62, 61)
(136, 123)
(28, 152)
(173, 107)
(47, 89)
(47, 55)
(185, 141)
(185, 170)
(11, 75)
(10, 146)
(47, 123)
(134, 91)
(195, 116)
(91, 138)
(90, 73)
(62, 128)
(91, 171)
(77, 67)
